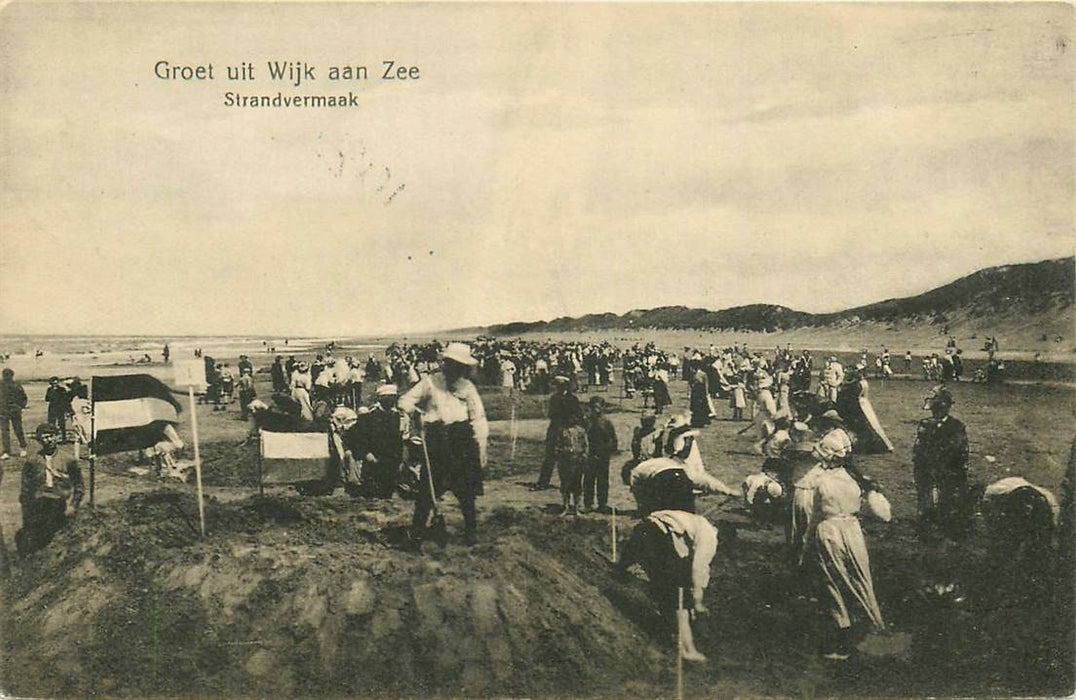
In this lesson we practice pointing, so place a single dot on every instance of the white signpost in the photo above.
(191, 374)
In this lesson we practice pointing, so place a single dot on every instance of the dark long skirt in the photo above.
(455, 466)
(454, 460)
(661, 396)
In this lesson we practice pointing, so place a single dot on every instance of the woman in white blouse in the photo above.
(456, 433)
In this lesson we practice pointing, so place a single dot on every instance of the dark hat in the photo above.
(940, 395)
(53, 379)
(8, 373)
(596, 401)
(45, 429)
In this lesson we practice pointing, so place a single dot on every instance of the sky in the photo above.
(549, 160)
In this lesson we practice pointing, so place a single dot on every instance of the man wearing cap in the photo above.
(453, 425)
(562, 404)
(601, 437)
(50, 492)
(940, 462)
(59, 405)
(12, 402)
(377, 439)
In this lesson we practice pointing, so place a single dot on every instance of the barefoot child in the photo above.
(571, 454)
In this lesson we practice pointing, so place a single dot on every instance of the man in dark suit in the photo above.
(562, 405)
(12, 403)
(377, 439)
(940, 461)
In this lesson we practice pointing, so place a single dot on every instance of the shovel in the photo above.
(436, 522)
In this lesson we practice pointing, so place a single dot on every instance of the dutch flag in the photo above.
(130, 412)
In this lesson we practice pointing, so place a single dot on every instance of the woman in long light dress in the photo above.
(840, 555)
(834, 445)
(301, 385)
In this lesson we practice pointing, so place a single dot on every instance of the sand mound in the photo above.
(307, 597)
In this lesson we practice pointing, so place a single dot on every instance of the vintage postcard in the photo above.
(574, 350)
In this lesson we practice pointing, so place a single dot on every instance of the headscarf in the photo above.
(833, 447)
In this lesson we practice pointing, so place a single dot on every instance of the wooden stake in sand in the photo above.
(612, 526)
(5, 564)
(90, 445)
(679, 645)
(192, 374)
(197, 460)
(512, 429)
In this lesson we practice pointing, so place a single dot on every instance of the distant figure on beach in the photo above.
(58, 401)
(12, 402)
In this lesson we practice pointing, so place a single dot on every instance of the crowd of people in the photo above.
(426, 434)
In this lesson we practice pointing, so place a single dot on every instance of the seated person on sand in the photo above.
(377, 441)
(675, 549)
(341, 423)
(51, 492)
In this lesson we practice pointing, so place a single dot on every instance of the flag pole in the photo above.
(197, 459)
(92, 444)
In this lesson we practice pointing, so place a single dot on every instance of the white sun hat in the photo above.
(461, 353)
